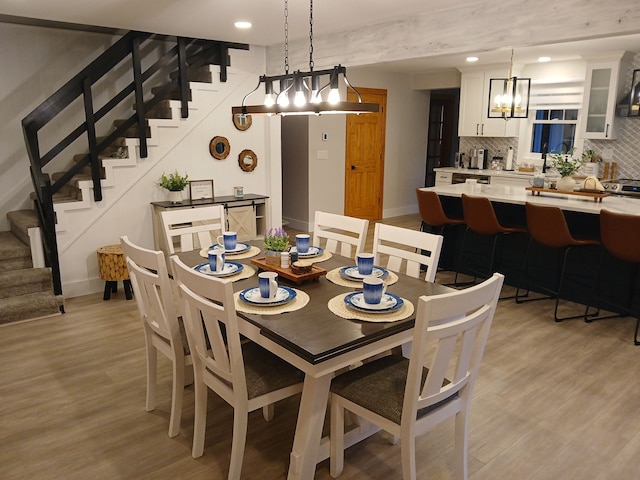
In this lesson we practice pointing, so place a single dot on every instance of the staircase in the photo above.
(25, 292)
(28, 292)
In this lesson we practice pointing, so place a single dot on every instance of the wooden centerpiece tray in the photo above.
(313, 273)
(595, 194)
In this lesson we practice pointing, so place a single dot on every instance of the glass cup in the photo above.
(268, 284)
(302, 242)
(216, 259)
(228, 240)
(365, 263)
(373, 289)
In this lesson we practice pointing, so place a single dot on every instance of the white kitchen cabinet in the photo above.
(603, 87)
(443, 178)
(474, 107)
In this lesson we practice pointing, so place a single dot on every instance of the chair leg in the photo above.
(461, 445)
(455, 279)
(200, 418)
(239, 438)
(594, 289)
(177, 394)
(635, 334)
(408, 456)
(152, 362)
(336, 439)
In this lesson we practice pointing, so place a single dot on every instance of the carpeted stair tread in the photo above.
(21, 221)
(25, 281)
(14, 254)
(32, 305)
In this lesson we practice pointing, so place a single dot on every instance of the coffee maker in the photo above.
(478, 158)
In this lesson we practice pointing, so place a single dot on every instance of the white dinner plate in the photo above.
(240, 247)
(388, 303)
(252, 296)
(312, 252)
(351, 273)
(230, 268)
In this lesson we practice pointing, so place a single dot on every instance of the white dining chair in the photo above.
(192, 228)
(340, 233)
(244, 374)
(407, 397)
(413, 248)
(163, 330)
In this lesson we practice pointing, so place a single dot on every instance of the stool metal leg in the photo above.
(128, 291)
(108, 288)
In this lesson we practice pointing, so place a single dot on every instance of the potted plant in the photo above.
(175, 183)
(276, 240)
(566, 165)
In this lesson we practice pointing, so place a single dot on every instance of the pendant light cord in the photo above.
(286, 37)
(311, 65)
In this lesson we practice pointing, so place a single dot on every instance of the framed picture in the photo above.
(201, 190)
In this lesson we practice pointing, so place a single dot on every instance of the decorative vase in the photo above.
(175, 196)
(272, 257)
(566, 184)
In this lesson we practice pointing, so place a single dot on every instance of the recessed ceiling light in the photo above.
(544, 59)
(472, 59)
(242, 24)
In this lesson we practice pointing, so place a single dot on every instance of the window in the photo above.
(555, 129)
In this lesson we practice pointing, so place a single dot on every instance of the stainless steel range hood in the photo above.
(629, 105)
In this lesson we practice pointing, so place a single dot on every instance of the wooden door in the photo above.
(364, 157)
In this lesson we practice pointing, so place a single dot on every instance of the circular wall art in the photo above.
(242, 122)
(219, 147)
(247, 160)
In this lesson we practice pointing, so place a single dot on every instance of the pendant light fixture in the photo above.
(303, 93)
(509, 97)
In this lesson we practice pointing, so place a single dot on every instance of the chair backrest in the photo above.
(479, 215)
(202, 224)
(430, 208)
(340, 231)
(450, 335)
(620, 235)
(411, 247)
(548, 226)
(153, 291)
(209, 316)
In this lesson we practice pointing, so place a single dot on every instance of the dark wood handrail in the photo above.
(186, 54)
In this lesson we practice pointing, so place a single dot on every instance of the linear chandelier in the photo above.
(303, 93)
(509, 97)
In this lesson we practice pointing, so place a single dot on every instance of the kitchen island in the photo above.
(582, 215)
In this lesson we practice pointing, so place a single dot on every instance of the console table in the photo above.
(246, 215)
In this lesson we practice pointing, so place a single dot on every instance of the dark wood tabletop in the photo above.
(314, 333)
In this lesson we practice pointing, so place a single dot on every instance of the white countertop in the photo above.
(518, 196)
(485, 171)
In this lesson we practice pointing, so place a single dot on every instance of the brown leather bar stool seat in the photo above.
(548, 227)
(432, 213)
(481, 219)
(620, 236)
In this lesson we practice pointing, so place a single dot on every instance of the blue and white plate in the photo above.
(253, 297)
(388, 303)
(230, 268)
(312, 252)
(240, 247)
(351, 273)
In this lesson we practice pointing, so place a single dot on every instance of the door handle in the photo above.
(353, 167)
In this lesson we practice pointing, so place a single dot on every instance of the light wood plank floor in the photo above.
(554, 401)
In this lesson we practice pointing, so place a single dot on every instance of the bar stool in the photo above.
(432, 213)
(481, 219)
(620, 235)
(548, 227)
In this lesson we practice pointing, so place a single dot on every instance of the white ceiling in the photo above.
(213, 19)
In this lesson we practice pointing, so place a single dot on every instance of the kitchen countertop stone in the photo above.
(519, 196)
(485, 171)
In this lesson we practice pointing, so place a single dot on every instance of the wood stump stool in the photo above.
(113, 267)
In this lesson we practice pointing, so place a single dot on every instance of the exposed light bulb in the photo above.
(269, 99)
(283, 99)
(334, 95)
(299, 100)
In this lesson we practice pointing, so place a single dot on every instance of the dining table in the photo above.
(322, 337)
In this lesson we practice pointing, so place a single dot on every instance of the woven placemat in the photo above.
(334, 277)
(296, 304)
(252, 252)
(337, 306)
(247, 272)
